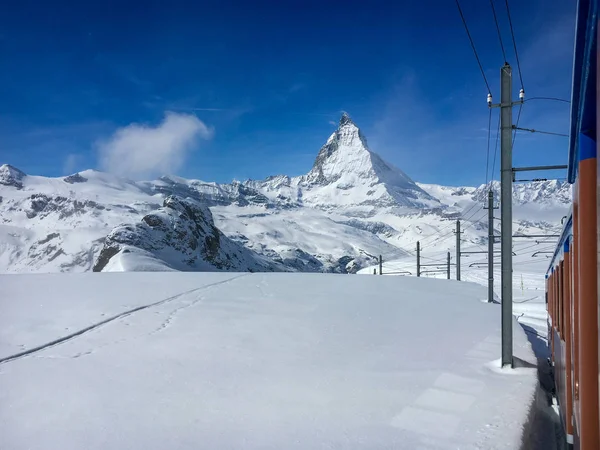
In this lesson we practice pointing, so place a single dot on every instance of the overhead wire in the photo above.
(498, 29)
(517, 124)
(512, 33)
(519, 254)
(437, 237)
(473, 47)
(426, 238)
(531, 130)
(547, 98)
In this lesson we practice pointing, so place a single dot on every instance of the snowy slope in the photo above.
(530, 262)
(304, 239)
(59, 224)
(252, 361)
(351, 207)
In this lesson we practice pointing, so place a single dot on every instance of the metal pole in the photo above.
(380, 265)
(506, 211)
(448, 265)
(490, 246)
(458, 250)
(418, 259)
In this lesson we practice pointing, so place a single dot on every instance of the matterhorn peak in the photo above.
(347, 165)
(345, 150)
(346, 120)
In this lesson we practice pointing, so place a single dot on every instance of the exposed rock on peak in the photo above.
(11, 176)
(345, 119)
(75, 178)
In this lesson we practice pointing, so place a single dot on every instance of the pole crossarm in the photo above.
(533, 168)
(536, 235)
(436, 265)
(506, 105)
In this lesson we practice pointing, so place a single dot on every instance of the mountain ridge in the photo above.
(348, 209)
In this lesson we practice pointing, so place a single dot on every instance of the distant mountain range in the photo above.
(351, 207)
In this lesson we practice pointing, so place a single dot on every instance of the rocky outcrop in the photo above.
(11, 176)
(41, 205)
(182, 236)
(75, 178)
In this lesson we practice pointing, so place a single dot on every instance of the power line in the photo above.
(466, 219)
(473, 47)
(517, 124)
(498, 29)
(438, 238)
(531, 130)
(547, 98)
(514, 44)
(423, 239)
(475, 221)
(520, 250)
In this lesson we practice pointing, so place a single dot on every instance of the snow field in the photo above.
(256, 361)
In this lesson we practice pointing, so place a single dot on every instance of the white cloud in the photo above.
(141, 151)
(71, 162)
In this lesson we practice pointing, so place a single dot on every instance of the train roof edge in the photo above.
(583, 102)
(583, 93)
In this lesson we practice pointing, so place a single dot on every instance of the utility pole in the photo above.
(380, 265)
(458, 250)
(506, 179)
(490, 246)
(418, 259)
(448, 262)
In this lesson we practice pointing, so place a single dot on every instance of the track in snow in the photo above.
(97, 325)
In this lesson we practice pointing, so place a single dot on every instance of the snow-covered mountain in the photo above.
(348, 177)
(349, 208)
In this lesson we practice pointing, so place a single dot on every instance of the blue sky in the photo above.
(257, 87)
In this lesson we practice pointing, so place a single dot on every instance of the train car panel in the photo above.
(572, 277)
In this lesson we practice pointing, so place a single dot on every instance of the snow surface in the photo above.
(253, 361)
(530, 261)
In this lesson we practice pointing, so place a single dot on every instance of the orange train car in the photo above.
(572, 277)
